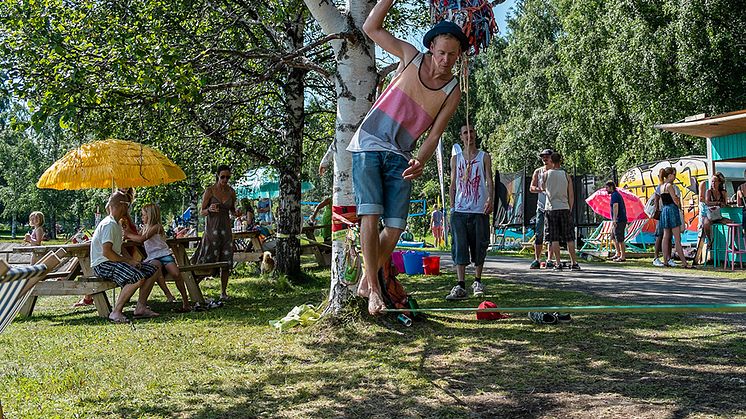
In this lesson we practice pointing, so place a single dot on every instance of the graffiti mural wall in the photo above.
(690, 170)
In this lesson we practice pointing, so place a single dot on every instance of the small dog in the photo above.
(268, 264)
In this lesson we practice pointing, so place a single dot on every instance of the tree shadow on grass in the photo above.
(451, 367)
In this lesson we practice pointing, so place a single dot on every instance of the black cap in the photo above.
(444, 27)
(546, 152)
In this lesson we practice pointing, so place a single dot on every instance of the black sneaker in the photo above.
(557, 268)
(563, 317)
(575, 267)
(540, 317)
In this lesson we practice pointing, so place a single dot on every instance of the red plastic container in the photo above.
(431, 265)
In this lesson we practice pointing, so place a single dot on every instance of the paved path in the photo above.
(637, 285)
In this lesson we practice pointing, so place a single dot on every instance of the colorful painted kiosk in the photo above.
(726, 145)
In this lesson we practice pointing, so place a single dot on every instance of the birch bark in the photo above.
(356, 78)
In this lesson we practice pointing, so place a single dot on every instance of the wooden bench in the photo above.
(194, 273)
(320, 250)
(94, 286)
(205, 269)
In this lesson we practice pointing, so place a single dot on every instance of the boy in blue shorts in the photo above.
(421, 97)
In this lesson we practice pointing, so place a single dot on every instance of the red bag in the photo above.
(393, 292)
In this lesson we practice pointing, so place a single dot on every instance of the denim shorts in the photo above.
(539, 227)
(164, 260)
(470, 238)
(619, 232)
(658, 229)
(380, 188)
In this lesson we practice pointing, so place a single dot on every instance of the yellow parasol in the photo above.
(110, 163)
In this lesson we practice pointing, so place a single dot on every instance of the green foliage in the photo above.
(205, 83)
(202, 81)
(590, 79)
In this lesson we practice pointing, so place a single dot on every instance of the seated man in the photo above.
(108, 263)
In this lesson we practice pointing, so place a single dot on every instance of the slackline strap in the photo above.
(651, 308)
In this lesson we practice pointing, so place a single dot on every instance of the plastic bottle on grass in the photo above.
(403, 319)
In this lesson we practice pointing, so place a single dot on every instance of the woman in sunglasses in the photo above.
(218, 203)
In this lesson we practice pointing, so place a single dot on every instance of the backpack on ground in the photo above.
(393, 293)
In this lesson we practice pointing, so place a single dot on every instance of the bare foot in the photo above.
(363, 289)
(85, 301)
(145, 314)
(375, 304)
(118, 318)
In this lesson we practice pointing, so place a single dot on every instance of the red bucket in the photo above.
(431, 265)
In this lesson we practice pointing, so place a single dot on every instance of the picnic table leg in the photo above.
(316, 251)
(26, 311)
(195, 293)
(102, 304)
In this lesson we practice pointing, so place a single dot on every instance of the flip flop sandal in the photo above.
(214, 304)
(198, 308)
(119, 321)
(83, 303)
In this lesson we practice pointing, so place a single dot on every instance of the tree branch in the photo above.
(327, 15)
(385, 71)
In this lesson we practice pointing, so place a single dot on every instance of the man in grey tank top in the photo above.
(558, 207)
(537, 187)
(382, 171)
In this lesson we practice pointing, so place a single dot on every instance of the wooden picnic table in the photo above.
(84, 284)
(192, 273)
(248, 246)
(321, 251)
(87, 283)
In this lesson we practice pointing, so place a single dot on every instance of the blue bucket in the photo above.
(413, 262)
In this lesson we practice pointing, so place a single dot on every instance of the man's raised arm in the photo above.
(373, 27)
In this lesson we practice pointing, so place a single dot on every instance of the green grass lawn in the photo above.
(228, 362)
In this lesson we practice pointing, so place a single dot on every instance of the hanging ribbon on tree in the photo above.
(475, 17)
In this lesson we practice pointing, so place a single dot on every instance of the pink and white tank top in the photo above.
(471, 186)
(404, 111)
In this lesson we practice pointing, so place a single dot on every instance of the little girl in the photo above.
(158, 253)
(36, 221)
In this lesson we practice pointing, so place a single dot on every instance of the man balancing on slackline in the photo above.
(423, 95)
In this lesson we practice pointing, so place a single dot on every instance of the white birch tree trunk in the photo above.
(355, 80)
(288, 214)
